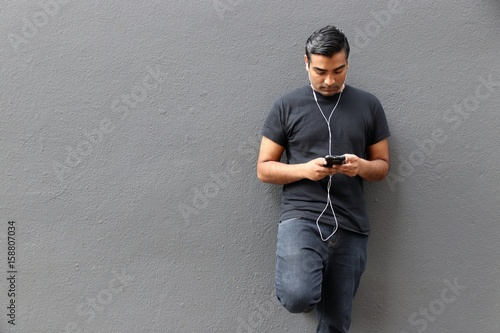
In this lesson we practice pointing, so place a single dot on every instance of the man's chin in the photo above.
(329, 92)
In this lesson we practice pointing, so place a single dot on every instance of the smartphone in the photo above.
(331, 160)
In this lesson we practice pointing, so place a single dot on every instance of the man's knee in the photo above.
(297, 301)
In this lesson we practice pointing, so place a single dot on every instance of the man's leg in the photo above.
(344, 267)
(300, 257)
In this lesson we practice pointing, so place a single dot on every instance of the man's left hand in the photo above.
(351, 165)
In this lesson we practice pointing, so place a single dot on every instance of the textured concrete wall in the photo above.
(129, 134)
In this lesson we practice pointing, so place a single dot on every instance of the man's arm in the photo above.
(376, 167)
(271, 170)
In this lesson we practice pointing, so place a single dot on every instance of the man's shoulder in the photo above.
(360, 93)
(293, 96)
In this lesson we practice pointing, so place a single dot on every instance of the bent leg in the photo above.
(300, 258)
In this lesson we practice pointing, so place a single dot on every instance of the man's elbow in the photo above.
(380, 173)
(383, 172)
(261, 174)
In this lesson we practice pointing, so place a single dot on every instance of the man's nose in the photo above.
(329, 80)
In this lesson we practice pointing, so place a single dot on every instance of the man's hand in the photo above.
(374, 168)
(351, 165)
(316, 169)
(271, 170)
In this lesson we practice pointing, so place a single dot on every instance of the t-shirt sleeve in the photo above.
(273, 128)
(380, 130)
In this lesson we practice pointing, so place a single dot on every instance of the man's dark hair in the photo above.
(327, 41)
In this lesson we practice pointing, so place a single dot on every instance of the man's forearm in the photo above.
(373, 170)
(279, 173)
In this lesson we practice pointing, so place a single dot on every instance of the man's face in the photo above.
(327, 74)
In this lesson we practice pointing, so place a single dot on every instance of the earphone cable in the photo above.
(328, 187)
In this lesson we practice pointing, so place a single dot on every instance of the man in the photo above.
(324, 227)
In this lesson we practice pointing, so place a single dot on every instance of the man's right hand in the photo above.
(316, 169)
(271, 170)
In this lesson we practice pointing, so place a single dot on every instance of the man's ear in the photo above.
(306, 61)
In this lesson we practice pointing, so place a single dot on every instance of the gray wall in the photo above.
(129, 136)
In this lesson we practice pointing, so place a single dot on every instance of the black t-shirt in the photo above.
(296, 123)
